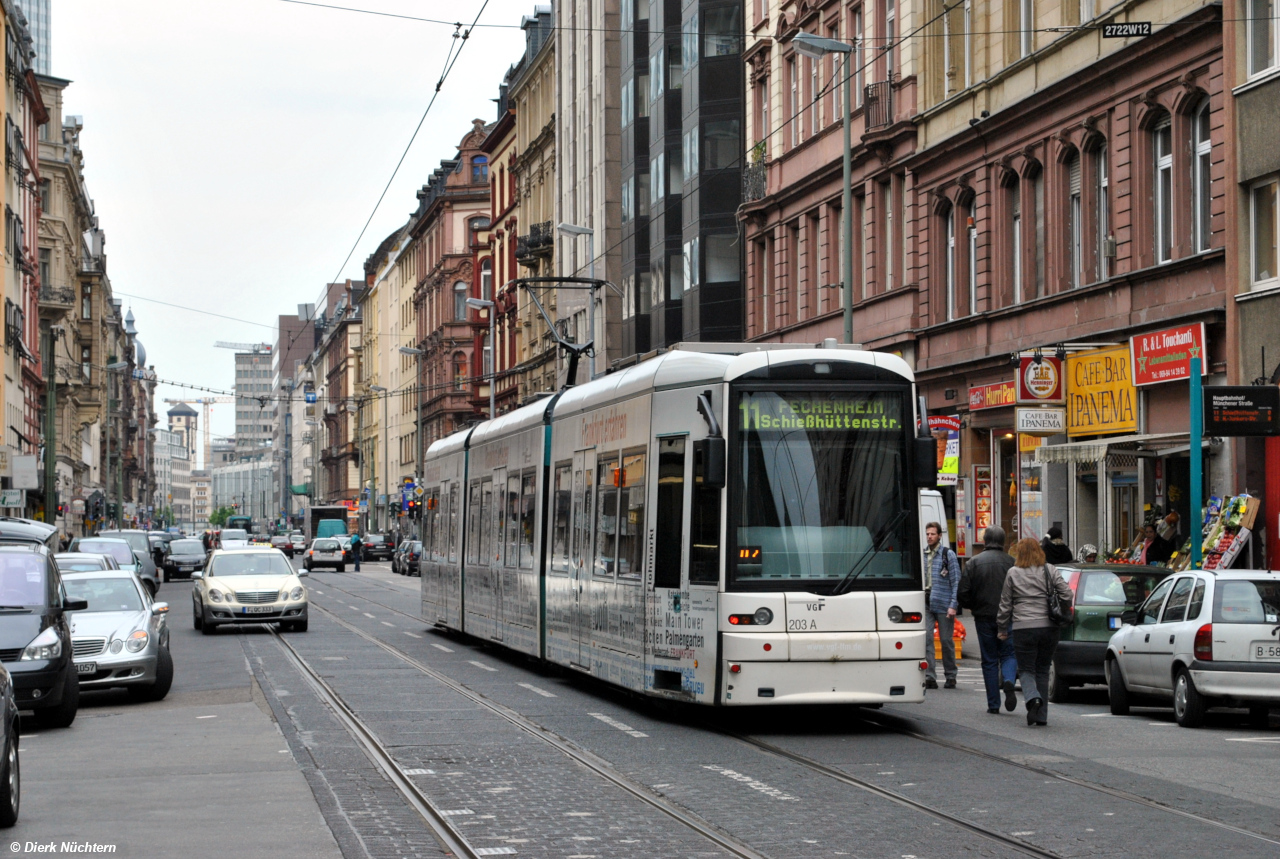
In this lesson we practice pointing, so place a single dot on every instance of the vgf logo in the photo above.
(815, 606)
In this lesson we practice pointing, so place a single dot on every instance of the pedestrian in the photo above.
(1056, 551)
(980, 591)
(1024, 606)
(1155, 549)
(941, 586)
(356, 546)
(1088, 554)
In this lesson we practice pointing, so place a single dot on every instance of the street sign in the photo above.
(13, 498)
(1129, 30)
(1040, 380)
(1242, 410)
(419, 491)
(311, 396)
(1043, 422)
(1165, 356)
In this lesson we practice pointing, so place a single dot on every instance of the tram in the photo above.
(723, 524)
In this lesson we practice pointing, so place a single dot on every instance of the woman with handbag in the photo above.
(1035, 601)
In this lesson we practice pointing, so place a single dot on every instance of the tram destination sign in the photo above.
(821, 412)
(1242, 410)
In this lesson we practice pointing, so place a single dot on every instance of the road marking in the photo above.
(481, 665)
(543, 692)
(621, 726)
(888, 773)
(206, 717)
(752, 783)
(442, 647)
(419, 772)
(384, 623)
(1022, 834)
(579, 814)
(457, 811)
(1096, 715)
(355, 608)
(366, 614)
(1252, 739)
(1163, 724)
(333, 658)
(495, 851)
(413, 635)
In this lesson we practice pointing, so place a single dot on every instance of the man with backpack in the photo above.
(941, 593)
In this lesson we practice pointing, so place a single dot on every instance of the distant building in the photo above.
(184, 421)
(39, 21)
(201, 497)
(255, 407)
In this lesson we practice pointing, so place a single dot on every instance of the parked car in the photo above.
(413, 559)
(121, 639)
(185, 557)
(1202, 639)
(377, 547)
(141, 545)
(344, 540)
(123, 553)
(28, 532)
(160, 547)
(1102, 593)
(397, 557)
(283, 543)
(325, 552)
(10, 771)
(248, 586)
(83, 562)
(35, 634)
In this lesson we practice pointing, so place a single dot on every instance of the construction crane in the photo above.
(255, 348)
(207, 403)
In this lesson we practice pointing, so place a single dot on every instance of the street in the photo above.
(249, 755)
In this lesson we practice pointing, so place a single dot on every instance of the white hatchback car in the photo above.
(1201, 639)
(256, 585)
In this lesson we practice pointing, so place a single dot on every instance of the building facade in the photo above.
(201, 498)
(255, 402)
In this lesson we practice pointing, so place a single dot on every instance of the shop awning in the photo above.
(1096, 450)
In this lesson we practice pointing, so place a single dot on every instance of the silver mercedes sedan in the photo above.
(121, 639)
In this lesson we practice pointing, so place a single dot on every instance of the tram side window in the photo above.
(451, 522)
(513, 518)
(498, 533)
(560, 501)
(670, 516)
(580, 529)
(606, 518)
(631, 517)
(526, 520)
(485, 552)
(429, 526)
(704, 530)
(473, 523)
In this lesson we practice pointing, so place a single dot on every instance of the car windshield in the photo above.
(116, 594)
(251, 564)
(234, 534)
(1247, 601)
(22, 579)
(138, 542)
(113, 547)
(186, 547)
(325, 545)
(79, 563)
(819, 490)
(1104, 587)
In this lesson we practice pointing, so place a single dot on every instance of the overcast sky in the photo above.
(234, 149)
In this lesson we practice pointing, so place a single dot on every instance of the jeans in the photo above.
(998, 662)
(355, 556)
(1035, 648)
(946, 632)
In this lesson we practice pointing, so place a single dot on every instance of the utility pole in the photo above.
(50, 430)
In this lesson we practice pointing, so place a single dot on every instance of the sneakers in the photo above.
(950, 684)
(930, 683)
(1010, 700)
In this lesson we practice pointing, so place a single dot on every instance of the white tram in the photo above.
(721, 524)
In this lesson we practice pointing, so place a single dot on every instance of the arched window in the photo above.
(460, 301)
(1075, 221)
(1103, 245)
(486, 280)
(459, 371)
(949, 265)
(1162, 146)
(1014, 190)
(479, 170)
(1200, 194)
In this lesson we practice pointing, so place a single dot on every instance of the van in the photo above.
(932, 510)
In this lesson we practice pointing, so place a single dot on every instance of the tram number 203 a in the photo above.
(802, 624)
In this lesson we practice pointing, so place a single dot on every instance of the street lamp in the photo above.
(386, 459)
(575, 230)
(417, 353)
(484, 304)
(817, 47)
(116, 367)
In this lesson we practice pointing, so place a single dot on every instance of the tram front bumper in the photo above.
(885, 681)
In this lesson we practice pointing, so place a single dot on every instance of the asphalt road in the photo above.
(245, 758)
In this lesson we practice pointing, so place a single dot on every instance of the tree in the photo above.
(219, 517)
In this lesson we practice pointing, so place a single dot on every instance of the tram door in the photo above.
(581, 559)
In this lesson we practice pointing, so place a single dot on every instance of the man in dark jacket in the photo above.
(1056, 551)
(980, 593)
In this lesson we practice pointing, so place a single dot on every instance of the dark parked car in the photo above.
(185, 557)
(397, 557)
(140, 542)
(1102, 594)
(283, 543)
(28, 532)
(35, 635)
(10, 772)
(377, 547)
(412, 561)
(159, 547)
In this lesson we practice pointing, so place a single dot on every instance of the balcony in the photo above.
(60, 296)
(91, 264)
(879, 104)
(755, 182)
(538, 244)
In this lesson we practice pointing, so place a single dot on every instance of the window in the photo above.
(642, 195)
(1075, 227)
(511, 519)
(657, 63)
(1037, 233)
(479, 170)
(890, 33)
(835, 74)
(1163, 203)
(1086, 10)
(762, 115)
(85, 363)
(657, 174)
(1026, 26)
(1200, 179)
(473, 526)
(675, 73)
(815, 87)
(793, 101)
(459, 372)
(721, 144)
(949, 264)
(486, 280)
(45, 195)
(669, 524)
(722, 32)
(691, 271)
(1103, 239)
(46, 267)
(1015, 235)
(675, 277)
(1175, 610)
(606, 518)
(971, 264)
(628, 197)
(859, 81)
(642, 95)
(704, 528)
(631, 491)
(526, 520)
(1262, 233)
(1262, 32)
(722, 258)
(460, 301)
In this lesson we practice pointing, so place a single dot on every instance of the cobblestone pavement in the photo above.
(521, 792)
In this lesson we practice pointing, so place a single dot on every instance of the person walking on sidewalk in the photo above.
(1024, 604)
(941, 587)
(980, 591)
(356, 546)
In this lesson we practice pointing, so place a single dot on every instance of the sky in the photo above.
(234, 150)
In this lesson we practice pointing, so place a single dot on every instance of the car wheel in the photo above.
(197, 615)
(1058, 689)
(64, 714)
(1188, 704)
(1116, 690)
(1259, 716)
(208, 627)
(164, 679)
(298, 626)
(10, 781)
(342, 568)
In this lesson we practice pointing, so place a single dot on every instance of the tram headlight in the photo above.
(762, 617)
(895, 614)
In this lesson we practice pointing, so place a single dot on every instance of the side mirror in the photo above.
(75, 605)
(709, 461)
(1129, 616)
(302, 573)
(926, 462)
(160, 608)
(197, 574)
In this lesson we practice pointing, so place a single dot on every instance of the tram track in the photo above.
(894, 725)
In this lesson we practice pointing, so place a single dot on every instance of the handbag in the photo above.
(1060, 611)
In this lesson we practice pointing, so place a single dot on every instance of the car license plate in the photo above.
(258, 609)
(86, 667)
(185, 569)
(1267, 651)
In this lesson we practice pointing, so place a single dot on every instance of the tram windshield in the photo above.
(821, 496)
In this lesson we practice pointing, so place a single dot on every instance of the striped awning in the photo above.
(1096, 450)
